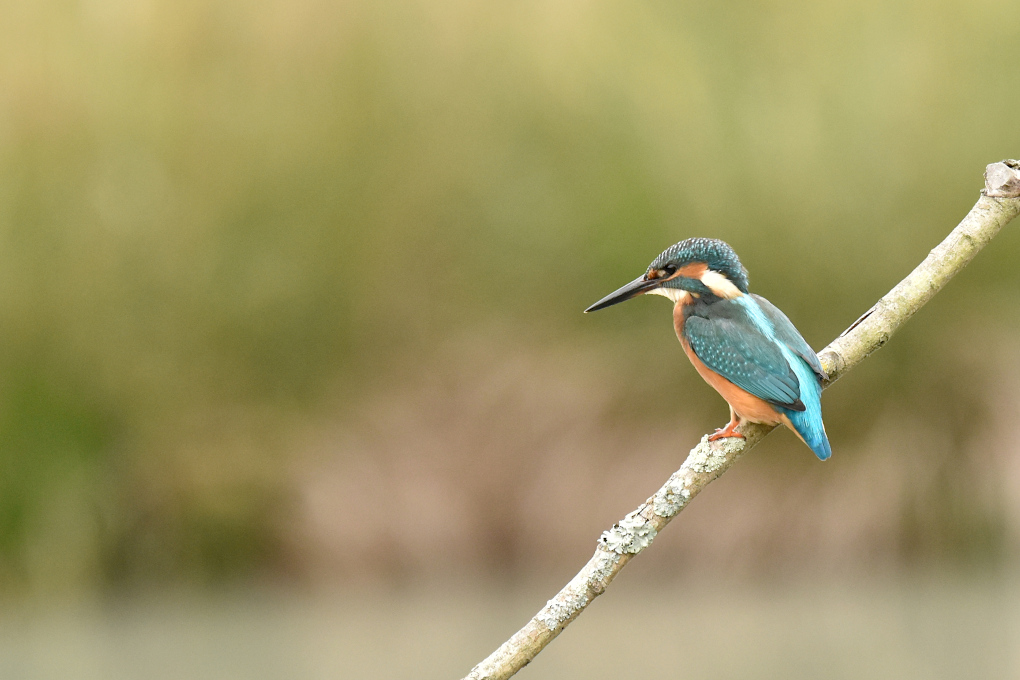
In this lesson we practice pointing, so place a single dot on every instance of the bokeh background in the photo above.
(294, 381)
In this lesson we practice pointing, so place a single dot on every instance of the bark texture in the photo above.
(998, 204)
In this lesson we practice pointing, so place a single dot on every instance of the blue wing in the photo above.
(788, 334)
(752, 344)
(733, 346)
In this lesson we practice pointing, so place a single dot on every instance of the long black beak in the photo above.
(632, 289)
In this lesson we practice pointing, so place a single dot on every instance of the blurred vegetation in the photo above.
(248, 246)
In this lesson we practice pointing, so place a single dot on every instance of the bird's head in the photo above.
(697, 266)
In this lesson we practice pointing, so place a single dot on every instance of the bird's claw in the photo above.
(723, 432)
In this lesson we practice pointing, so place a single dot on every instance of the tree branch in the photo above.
(998, 204)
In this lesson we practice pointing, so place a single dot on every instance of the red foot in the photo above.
(729, 431)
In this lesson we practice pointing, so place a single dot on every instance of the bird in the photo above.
(740, 343)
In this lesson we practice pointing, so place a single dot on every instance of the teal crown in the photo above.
(716, 254)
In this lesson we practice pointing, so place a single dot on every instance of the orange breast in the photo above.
(744, 404)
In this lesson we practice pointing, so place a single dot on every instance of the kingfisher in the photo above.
(739, 342)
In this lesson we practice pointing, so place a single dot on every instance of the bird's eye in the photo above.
(663, 273)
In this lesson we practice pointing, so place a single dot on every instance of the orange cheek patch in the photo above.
(694, 270)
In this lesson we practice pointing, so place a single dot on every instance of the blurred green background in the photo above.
(290, 302)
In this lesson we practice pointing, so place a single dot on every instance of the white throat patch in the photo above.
(674, 294)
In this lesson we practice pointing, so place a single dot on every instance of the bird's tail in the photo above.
(808, 423)
(811, 430)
